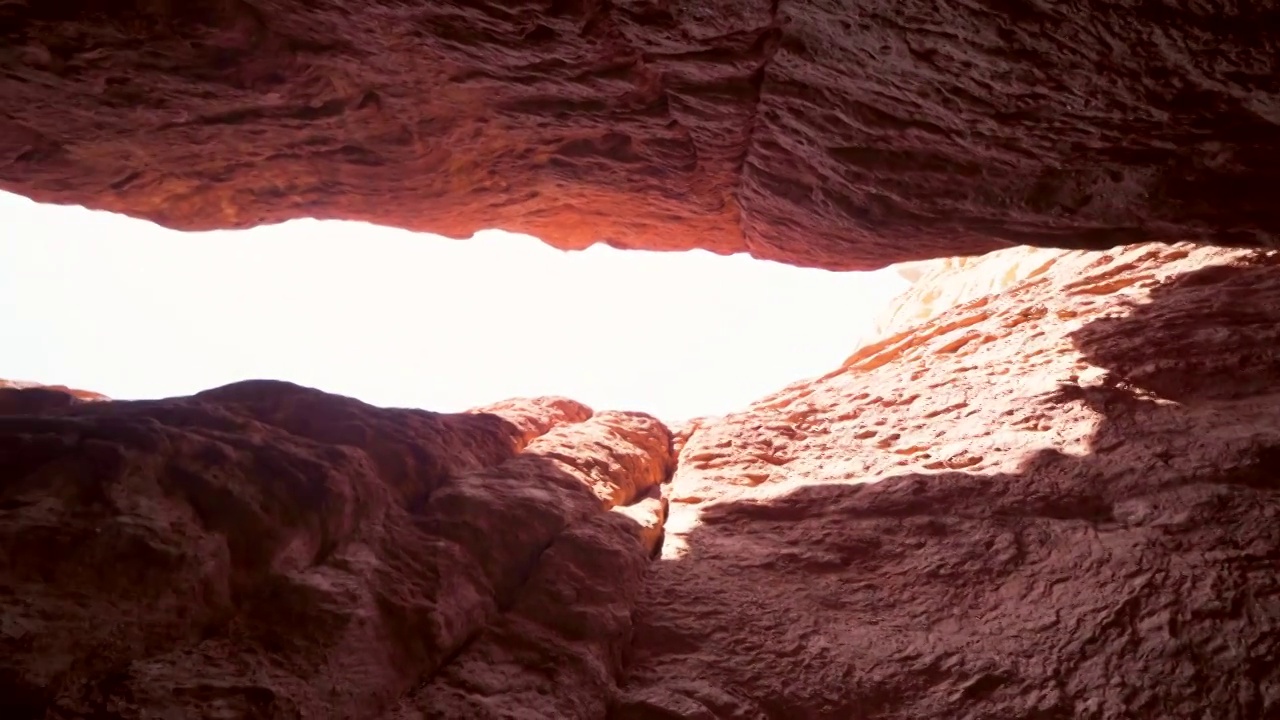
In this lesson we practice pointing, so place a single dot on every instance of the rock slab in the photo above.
(828, 133)
(264, 550)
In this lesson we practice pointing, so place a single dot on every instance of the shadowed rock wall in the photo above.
(267, 551)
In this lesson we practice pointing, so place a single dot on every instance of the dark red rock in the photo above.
(268, 551)
(836, 134)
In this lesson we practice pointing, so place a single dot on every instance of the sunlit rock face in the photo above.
(941, 284)
(837, 134)
(1057, 499)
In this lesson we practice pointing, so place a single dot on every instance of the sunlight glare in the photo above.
(132, 310)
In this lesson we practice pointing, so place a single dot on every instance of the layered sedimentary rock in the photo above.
(264, 550)
(1059, 500)
(819, 132)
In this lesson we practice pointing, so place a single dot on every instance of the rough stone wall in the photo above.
(267, 551)
(1056, 501)
(943, 283)
(55, 394)
(832, 133)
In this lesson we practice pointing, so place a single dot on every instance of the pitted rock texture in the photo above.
(847, 135)
(1061, 500)
(264, 550)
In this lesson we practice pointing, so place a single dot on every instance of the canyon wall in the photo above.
(1060, 499)
(1055, 501)
(831, 133)
(264, 550)
(940, 284)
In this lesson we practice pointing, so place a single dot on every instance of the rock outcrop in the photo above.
(838, 134)
(264, 550)
(1057, 501)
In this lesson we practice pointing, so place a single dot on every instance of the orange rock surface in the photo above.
(941, 284)
(1056, 501)
(1051, 491)
(833, 133)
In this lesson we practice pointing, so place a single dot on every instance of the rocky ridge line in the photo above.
(1059, 500)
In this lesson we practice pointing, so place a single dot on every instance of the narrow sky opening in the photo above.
(132, 310)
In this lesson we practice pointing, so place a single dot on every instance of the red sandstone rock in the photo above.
(266, 550)
(535, 417)
(73, 392)
(1058, 500)
(836, 134)
(941, 284)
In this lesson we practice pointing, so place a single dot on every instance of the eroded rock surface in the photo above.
(1058, 501)
(264, 550)
(817, 132)
(943, 283)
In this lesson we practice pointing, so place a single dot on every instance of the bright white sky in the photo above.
(126, 308)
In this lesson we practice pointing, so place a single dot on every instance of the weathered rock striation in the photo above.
(1057, 500)
(839, 134)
